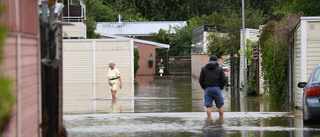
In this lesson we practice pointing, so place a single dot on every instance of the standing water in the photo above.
(173, 106)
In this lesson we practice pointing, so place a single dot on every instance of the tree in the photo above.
(218, 44)
(136, 61)
(162, 36)
(181, 42)
(91, 27)
(307, 7)
(274, 41)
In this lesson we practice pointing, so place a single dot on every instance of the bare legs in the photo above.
(208, 110)
(221, 111)
(114, 94)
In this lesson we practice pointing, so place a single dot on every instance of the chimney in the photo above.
(119, 21)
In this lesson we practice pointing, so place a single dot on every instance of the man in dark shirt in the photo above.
(212, 80)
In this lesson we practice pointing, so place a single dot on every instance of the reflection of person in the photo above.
(212, 129)
(114, 79)
(212, 80)
(114, 107)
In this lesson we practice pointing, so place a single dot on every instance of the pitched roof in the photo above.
(158, 45)
(137, 28)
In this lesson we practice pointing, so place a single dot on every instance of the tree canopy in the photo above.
(225, 13)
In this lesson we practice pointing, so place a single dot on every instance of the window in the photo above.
(316, 75)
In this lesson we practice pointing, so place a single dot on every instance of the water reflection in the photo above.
(213, 129)
(173, 106)
(154, 94)
(115, 108)
(87, 98)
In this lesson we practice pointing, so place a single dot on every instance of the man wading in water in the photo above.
(212, 80)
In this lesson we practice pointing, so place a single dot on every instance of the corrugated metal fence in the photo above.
(87, 60)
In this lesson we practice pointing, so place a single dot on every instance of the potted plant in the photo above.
(161, 67)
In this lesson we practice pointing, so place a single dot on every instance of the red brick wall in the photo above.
(146, 52)
(21, 63)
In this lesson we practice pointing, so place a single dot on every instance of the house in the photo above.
(147, 53)
(139, 30)
(74, 12)
(37, 76)
(253, 36)
(306, 51)
(142, 32)
(199, 50)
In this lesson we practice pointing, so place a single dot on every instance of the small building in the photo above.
(74, 12)
(147, 53)
(143, 35)
(306, 53)
(199, 51)
(139, 30)
(253, 36)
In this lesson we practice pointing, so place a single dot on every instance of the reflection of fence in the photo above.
(179, 65)
(86, 60)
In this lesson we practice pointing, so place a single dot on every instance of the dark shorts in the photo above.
(213, 93)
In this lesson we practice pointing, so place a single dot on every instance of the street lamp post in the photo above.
(243, 51)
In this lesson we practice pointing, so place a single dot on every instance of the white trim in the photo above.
(303, 50)
(205, 42)
(19, 85)
(132, 65)
(311, 18)
(132, 73)
(158, 45)
(72, 40)
(94, 68)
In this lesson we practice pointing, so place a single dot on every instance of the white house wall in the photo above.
(306, 52)
(297, 66)
(78, 29)
(313, 42)
(251, 34)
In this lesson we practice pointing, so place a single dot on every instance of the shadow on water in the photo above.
(173, 106)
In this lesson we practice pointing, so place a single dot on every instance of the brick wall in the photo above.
(147, 53)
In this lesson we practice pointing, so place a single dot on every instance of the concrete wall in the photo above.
(306, 52)
(21, 63)
(200, 60)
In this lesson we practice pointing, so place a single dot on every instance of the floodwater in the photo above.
(173, 106)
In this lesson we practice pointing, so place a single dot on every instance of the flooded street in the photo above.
(166, 106)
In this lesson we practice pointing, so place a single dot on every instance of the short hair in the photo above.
(111, 62)
(213, 58)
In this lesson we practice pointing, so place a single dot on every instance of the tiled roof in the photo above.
(137, 28)
(158, 45)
